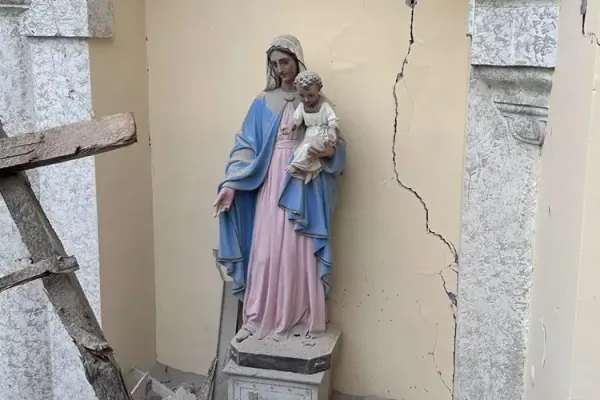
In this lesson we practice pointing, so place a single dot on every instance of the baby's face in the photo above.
(309, 97)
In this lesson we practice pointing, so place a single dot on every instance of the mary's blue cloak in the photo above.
(309, 206)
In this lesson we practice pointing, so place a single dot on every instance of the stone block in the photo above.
(263, 384)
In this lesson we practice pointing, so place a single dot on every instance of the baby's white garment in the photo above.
(317, 124)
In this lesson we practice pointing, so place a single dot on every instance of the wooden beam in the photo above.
(64, 290)
(207, 388)
(55, 265)
(227, 331)
(65, 143)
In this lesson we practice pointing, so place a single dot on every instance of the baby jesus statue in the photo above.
(321, 126)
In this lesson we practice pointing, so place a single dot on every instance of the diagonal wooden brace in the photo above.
(63, 290)
(47, 267)
(65, 143)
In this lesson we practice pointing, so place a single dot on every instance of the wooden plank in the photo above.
(55, 265)
(227, 331)
(206, 390)
(66, 143)
(64, 290)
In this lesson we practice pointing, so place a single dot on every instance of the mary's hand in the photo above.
(223, 201)
(287, 131)
(320, 150)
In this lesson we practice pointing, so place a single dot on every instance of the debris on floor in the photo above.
(149, 388)
(182, 394)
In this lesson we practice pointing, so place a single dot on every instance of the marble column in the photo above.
(513, 54)
(44, 82)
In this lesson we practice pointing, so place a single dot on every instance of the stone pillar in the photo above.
(44, 82)
(512, 59)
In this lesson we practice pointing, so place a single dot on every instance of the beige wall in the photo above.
(565, 322)
(207, 62)
(124, 189)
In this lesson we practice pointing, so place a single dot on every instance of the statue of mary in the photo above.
(274, 236)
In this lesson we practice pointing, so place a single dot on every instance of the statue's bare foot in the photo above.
(242, 335)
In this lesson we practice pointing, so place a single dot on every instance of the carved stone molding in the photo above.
(520, 95)
(14, 5)
(526, 123)
(534, 82)
(14, 2)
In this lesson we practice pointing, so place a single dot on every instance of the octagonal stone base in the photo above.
(294, 354)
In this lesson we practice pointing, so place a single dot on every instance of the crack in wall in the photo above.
(399, 78)
(432, 354)
(591, 35)
(452, 297)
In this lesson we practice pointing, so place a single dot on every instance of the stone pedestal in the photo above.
(292, 369)
(267, 384)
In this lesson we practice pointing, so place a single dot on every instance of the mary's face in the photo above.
(284, 65)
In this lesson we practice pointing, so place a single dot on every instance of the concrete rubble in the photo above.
(182, 394)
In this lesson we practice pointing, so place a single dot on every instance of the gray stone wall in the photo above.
(512, 58)
(44, 82)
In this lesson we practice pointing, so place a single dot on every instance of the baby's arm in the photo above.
(332, 124)
(299, 115)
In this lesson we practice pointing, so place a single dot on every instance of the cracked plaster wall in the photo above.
(44, 82)
(513, 53)
(388, 288)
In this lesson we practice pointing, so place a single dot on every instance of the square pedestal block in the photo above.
(263, 384)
